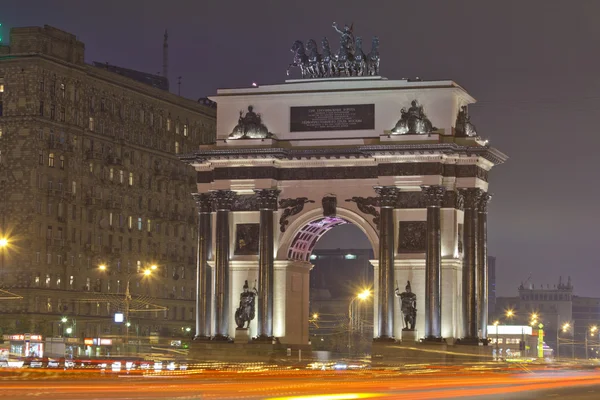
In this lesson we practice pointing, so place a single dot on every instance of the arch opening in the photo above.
(307, 237)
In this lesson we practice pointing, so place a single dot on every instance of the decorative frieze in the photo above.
(412, 237)
(291, 207)
(362, 172)
(246, 202)
(246, 239)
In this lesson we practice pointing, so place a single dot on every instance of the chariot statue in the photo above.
(246, 311)
(349, 60)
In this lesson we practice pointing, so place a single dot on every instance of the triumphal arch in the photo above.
(400, 159)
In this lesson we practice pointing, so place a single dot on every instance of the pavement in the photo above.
(413, 384)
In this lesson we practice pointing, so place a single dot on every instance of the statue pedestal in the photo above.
(410, 336)
(242, 335)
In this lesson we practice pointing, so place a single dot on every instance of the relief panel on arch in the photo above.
(412, 236)
(246, 239)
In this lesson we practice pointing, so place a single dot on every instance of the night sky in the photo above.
(532, 65)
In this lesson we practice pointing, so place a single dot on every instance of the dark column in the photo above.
(222, 202)
(482, 264)
(433, 196)
(203, 202)
(267, 204)
(472, 197)
(388, 196)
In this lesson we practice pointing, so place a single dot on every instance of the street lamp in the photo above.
(593, 330)
(144, 273)
(565, 328)
(3, 246)
(365, 294)
(496, 323)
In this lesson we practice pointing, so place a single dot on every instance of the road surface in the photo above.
(302, 384)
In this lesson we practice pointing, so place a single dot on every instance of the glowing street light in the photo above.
(3, 242)
(315, 316)
(510, 313)
(102, 267)
(566, 326)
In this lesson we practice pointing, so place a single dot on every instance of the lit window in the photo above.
(121, 176)
(130, 222)
(62, 90)
(51, 160)
(110, 219)
(91, 124)
(149, 225)
(1, 87)
(177, 127)
(185, 130)
(111, 173)
(131, 179)
(74, 187)
(176, 147)
(139, 223)
(169, 124)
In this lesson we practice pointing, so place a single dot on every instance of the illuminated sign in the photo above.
(510, 330)
(118, 317)
(88, 342)
(16, 337)
(105, 342)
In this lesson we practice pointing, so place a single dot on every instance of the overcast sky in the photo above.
(532, 65)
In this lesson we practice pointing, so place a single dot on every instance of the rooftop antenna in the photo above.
(165, 70)
(178, 86)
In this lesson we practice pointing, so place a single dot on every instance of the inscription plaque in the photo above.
(332, 118)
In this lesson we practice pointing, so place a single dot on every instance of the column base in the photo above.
(384, 339)
(202, 338)
(433, 339)
(265, 339)
(221, 338)
(469, 341)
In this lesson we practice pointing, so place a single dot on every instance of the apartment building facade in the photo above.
(92, 193)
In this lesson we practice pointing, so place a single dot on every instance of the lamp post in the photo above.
(565, 327)
(3, 247)
(144, 273)
(365, 294)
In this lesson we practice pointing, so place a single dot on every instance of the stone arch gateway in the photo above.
(390, 156)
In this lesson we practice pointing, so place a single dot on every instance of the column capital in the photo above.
(203, 202)
(472, 197)
(267, 198)
(388, 196)
(484, 201)
(433, 195)
(223, 199)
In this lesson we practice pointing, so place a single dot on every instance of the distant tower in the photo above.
(165, 70)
